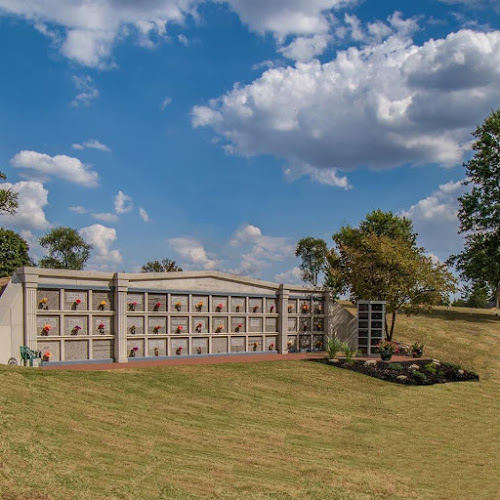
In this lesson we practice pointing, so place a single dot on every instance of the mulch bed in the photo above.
(429, 371)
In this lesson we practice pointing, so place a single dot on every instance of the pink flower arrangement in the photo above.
(178, 351)
(76, 329)
(100, 328)
(157, 305)
(272, 308)
(220, 307)
(179, 329)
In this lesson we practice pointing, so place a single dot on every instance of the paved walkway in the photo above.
(205, 360)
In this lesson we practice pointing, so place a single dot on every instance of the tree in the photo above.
(479, 212)
(380, 261)
(165, 266)
(476, 296)
(313, 252)
(66, 249)
(13, 252)
(8, 199)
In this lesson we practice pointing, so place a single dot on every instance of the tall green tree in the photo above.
(380, 260)
(14, 252)
(8, 199)
(313, 252)
(165, 266)
(479, 212)
(66, 249)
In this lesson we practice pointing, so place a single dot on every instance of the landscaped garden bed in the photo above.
(411, 372)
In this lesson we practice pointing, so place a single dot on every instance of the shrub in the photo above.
(430, 368)
(453, 366)
(395, 366)
(333, 346)
(419, 376)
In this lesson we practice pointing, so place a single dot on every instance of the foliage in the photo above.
(333, 346)
(348, 351)
(165, 266)
(13, 252)
(430, 368)
(395, 366)
(476, 296)
(417, 348)
(419, 376)
(380, 261)
(479, 212)
(313, 253)
(8, 199)
(66, 249)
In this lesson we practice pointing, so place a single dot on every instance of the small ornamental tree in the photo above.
(313, 253)
(380, 261)
(13, 252)
(165, 266)
(479, 212)
(8, 199)
(66, 249)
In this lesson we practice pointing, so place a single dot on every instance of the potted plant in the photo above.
(417, 350)
(100, 328)
(386, 349)
(45, 330)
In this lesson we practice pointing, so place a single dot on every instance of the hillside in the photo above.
(275, 430)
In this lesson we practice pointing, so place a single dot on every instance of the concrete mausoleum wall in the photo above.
(93, 316)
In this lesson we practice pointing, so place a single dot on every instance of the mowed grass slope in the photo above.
(276, 430)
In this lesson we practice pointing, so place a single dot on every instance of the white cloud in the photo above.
(32, 198)
(257, 250)
(87, 91)
(193, 253)
(92, 144)
(382, 105)
(42, 166)
(144, 215)
(105, 217)
(165, 103)
(435, 220)
(319, 175)
(292, 276)
(102, 238)
(123, 203)
(86, 31)
(183, 39)
(78, 210)
(306, 48)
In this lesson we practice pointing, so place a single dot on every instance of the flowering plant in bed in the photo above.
(417, 350)
(387, 349)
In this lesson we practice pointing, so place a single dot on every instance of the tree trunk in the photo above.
(393, 324)
(498, 296)
(386, 327)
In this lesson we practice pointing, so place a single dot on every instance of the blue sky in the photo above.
(218, 133)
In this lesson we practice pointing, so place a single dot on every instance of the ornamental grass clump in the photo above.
(333, 346)
(348, 351)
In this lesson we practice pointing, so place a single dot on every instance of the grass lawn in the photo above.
(275, 430)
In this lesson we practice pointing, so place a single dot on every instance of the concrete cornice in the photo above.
(132, 277)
